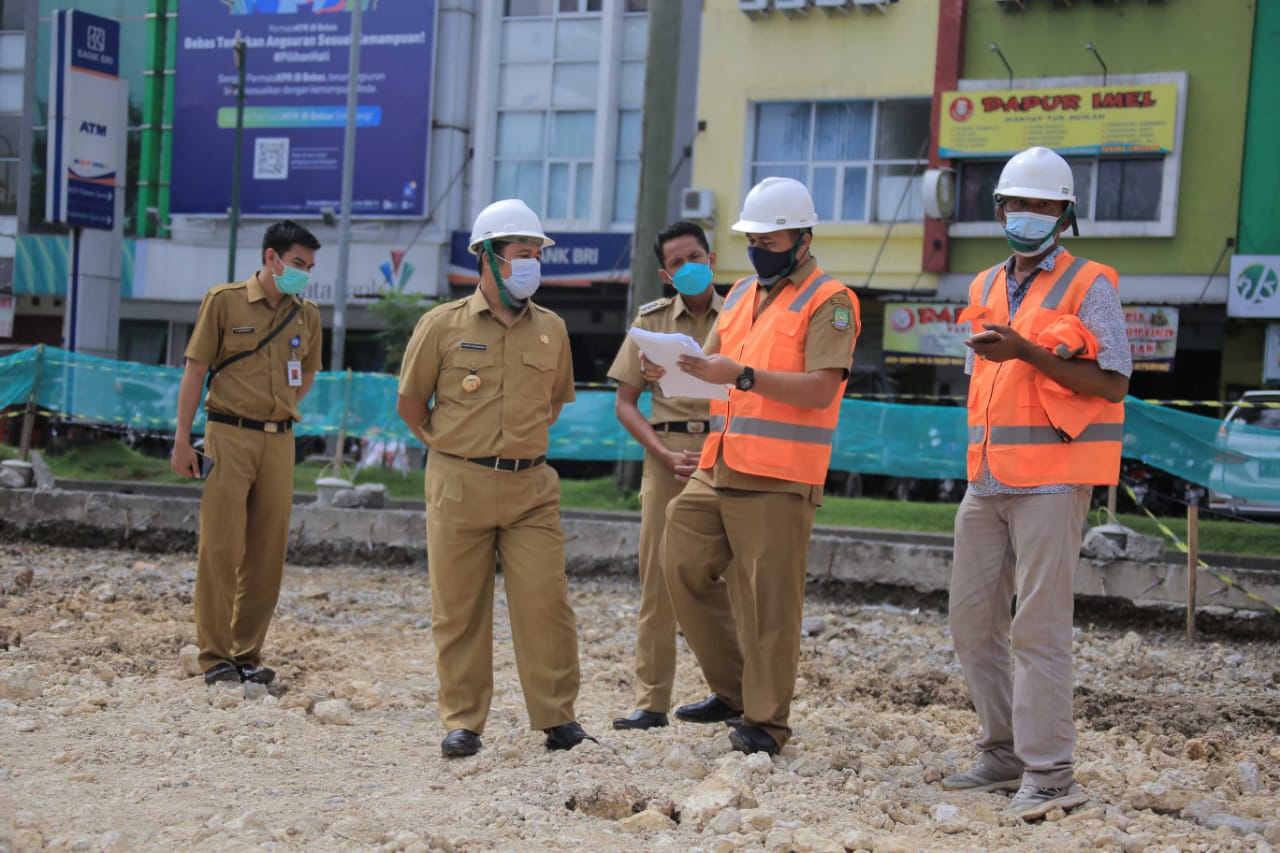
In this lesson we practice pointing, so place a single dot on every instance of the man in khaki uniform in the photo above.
(260, 346)
(482, 380)
(737, 537)
(672, 439)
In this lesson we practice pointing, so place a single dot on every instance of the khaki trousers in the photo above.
(737, 559)
(656, 627)
(244, 535)
(477, 517)
(1028, 546)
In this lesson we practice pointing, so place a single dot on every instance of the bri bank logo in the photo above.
(396, 273)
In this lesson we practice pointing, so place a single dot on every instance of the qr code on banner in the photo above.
(271, 158)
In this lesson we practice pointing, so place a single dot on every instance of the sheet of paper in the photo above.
(664, 349)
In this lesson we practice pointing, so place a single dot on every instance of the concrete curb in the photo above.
(165, 519)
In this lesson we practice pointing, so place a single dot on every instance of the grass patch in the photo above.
(115, 461)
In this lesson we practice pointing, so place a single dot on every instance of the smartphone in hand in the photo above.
(206, 464)
(987, 337)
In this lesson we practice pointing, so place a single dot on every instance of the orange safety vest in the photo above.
(762, 436)
(1006, 418)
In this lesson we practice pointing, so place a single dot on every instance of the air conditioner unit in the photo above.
(833, 6)
(754, 8)
(792, 8)
(867, 5)
(697, 205)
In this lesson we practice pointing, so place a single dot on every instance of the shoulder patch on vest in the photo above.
(650, 307)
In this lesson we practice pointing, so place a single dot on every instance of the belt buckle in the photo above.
(695, 427)
(271, 426)
(497, 463)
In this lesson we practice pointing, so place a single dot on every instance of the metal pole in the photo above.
(1193, 565)
(661, 79)
(234, 221)
(339, 339)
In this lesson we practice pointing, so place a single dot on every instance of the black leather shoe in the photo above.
(221, 672)
(460, 743)
(256, 674)
(713, 709)
(641, 720)
(751, 739)
(566, 736)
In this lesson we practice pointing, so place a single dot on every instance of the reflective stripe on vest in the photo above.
(807, 294)
(990, 280)
(1007, 435)
(738, 290)
(774, 429)
(1054, 297)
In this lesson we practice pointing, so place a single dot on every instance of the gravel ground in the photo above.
(107, 744)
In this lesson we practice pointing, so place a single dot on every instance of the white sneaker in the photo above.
(1033, 802)
(982, 778)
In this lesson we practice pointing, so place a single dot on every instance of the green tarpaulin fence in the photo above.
(873, 438)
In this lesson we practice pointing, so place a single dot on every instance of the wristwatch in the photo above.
(746, 380)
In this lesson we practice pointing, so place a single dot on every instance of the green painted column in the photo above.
(1260, 191)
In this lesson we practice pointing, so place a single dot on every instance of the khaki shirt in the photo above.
(233, 319)
(666, 315)
(825, 346)
(522, 372)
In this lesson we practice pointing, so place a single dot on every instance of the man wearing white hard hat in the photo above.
(737, 536)
(1049, 368)
(482, 381)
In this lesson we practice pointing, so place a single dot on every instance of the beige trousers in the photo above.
(477, 517)
(244, 535)
(656, 627)
(1018, 667)
(735, 566)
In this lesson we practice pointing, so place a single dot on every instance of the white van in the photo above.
(1248, 459)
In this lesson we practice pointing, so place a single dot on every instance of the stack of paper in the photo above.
(664, 349)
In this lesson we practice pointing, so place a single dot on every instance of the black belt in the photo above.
(691, 427)
(246, 423)
(497, 463)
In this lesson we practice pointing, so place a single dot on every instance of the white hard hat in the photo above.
(776, 204)
(1037, 173)
(507, 218)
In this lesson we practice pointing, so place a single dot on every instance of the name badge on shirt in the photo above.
(295, 374)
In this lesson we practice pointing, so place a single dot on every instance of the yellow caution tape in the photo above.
(1181, 546)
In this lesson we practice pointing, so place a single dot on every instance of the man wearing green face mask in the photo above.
(672, 438)
(258, 344)
(481, 382)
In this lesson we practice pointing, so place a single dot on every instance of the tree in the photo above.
(399, 313)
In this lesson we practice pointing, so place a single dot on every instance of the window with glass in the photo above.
(550, 69)
(1108, 189)
(861, 160)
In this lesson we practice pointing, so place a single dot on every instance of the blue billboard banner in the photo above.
(296, 59)
(88, 120)
(576, 260)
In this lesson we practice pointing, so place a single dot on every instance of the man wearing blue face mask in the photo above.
(1033, 461)
(482, 380)
(257, 345)
(672, 438)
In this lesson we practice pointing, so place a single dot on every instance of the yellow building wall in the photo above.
(816, 57)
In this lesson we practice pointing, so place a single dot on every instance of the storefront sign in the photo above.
(1254, 288)
(924, 333)
(87, 117)
(1082, 121)
(296, 59)
(1152, 331)
(576, 260)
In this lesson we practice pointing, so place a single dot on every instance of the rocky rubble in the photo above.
(108, 742)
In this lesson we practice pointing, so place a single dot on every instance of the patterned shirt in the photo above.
(1101, 314)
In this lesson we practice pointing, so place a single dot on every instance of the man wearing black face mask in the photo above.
(483, 379)
(784, 339)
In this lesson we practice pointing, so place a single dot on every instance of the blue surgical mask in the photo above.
(772, 267)
(1030, 234)
(692, 278)
(292, 281)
